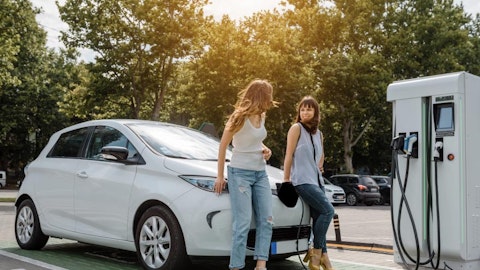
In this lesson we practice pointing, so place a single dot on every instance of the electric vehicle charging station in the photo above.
(436, 171)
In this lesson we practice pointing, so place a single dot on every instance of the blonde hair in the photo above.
(256, 99)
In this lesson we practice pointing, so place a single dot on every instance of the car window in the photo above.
(339, 180)
(108, 136)
(178, 141)
(381, 180)
(367, 180)
(353, 180)
(69, 144)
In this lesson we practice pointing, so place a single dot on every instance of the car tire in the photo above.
(28, 232)
(159, 241)
(351, 199)
(381, 201)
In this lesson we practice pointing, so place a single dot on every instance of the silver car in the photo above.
(142, 186)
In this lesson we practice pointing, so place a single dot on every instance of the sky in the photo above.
(236, 9)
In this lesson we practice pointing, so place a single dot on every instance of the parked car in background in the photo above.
(141, 186)
(3, 179)
(335, 194)
(358, 188)
(383, 183)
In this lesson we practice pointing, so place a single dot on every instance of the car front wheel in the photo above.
(159, 240)
(351, 199)
(28, 233)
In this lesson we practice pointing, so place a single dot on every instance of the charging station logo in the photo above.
(444, 98)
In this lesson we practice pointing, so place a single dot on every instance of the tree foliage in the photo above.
(28, 99)
(138, 46)
(166, 60)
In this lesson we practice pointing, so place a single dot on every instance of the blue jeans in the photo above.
(250, 190)
(321, 211)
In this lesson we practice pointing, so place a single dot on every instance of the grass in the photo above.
(7, 200)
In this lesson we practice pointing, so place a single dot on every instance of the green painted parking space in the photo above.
(75, 256)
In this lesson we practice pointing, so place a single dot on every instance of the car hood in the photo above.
(334, 187)
(209, 168)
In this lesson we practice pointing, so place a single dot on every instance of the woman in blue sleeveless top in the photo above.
(303, 167)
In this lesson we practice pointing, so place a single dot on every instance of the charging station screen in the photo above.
(444, 117)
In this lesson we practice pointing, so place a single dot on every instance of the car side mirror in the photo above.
(115, 153)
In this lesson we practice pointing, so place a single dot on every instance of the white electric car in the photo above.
(142, 186)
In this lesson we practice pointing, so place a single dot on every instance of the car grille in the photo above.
(282, 234)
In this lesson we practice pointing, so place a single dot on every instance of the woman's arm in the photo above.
(220, 182)
(322, 158)
(292, 140)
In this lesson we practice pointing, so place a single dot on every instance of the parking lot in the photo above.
(371, 236)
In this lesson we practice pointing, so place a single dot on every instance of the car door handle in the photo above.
(82, 174)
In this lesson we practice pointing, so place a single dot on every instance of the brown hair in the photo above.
(256, 98)
(312, 125)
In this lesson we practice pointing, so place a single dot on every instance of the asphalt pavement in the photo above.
(366, 242)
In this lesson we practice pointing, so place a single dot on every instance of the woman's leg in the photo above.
(321, 210)
(262, 205)
(239, 188)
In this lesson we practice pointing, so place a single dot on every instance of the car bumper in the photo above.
(369, 197)
(284, 240)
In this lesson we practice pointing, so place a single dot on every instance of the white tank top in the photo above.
(247, 147)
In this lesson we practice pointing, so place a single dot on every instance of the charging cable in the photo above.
(407, 148)
(298, 236)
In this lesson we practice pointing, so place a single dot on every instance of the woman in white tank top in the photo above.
(248, 183)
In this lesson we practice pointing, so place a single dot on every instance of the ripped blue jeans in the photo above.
(249, 191)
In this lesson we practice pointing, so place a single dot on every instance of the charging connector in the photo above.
(409, 143)
(397, 142)
(438, 153)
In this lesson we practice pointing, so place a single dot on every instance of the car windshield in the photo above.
(327, 182)
(179, 142)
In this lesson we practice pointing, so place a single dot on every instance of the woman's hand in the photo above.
(267, 153)
(219, 186)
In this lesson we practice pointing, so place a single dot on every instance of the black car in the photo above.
(383, 183)
(358, 188)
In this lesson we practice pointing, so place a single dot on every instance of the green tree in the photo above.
(426, 37)
(9, 40)
(344, 40)
(28, 103)
(262, 46)
(138, 45)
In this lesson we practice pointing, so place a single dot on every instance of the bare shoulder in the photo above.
(294, 129)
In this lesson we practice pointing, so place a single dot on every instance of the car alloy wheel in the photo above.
(351, 199)
(159, 240)
(28, 233)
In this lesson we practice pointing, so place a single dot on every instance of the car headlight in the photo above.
(328, 190)
(203, 182)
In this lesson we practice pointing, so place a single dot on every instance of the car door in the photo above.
(56, 174)
(103, 188)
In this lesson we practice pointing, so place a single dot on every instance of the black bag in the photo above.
(287, 194)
